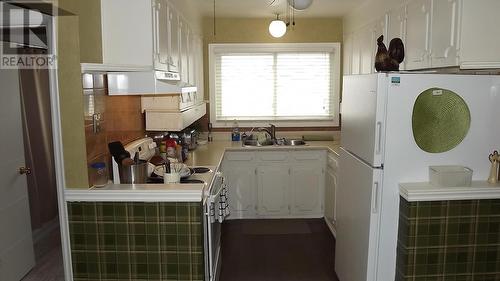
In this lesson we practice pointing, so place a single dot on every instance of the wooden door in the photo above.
(16, 245)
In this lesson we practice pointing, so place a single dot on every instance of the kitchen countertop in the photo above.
(209, 155)
(424, 191)
(185, 192)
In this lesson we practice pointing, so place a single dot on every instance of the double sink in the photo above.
(270, 142)
(252, 140)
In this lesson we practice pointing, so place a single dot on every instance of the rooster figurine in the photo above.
(389, 60)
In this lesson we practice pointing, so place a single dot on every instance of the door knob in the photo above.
(24, 171)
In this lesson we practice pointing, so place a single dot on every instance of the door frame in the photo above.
(58, 154)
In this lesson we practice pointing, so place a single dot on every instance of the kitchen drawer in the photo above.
(308, 155)
(273, 156)
(239, 156)
(332, 162)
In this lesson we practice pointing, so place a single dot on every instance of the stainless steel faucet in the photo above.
(271, 131)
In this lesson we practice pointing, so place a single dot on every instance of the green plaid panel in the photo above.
(449, 240)
(136, 241)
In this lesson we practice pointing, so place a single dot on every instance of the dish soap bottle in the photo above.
(235, 135)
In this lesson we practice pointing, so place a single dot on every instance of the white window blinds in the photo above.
(273, 86)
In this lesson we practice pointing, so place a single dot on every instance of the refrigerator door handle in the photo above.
(379, 137)
(375, 198)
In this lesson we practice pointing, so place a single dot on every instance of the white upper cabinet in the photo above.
(444, 40)
(173, 38)
(161, 35)
(199, 69)
(184, 51)
(396, 27)
(348, 53)
(379, 28)
(480, 34)
(418, 29)
(127, 35)
(192, 59)
(356, 53)
(437, 33)
(368, 44)
(142, 35)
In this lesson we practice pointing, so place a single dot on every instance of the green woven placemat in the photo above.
(441, 120)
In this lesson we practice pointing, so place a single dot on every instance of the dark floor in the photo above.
(277, 250)
(48, 256)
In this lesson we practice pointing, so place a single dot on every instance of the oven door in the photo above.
(215, 211)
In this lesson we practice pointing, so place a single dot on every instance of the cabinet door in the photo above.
(199, 70)
(173, 39)
(307, 182)
(356, 53)
(379, 28)
(240, 179)
(330, 192)
(368, 44)
(348, 54)
(396, 27)
(273, 188)
(127, 30)
(418, 26)
(191, 59)
(184, 51)
(161, 35)
(444, 33)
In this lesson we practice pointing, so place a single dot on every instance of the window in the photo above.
(287, 84)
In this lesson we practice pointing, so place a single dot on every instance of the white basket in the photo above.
(450, 176)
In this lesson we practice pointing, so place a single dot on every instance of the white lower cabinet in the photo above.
(307, 184)
(331, 191)
(241, 180)
(275, 184)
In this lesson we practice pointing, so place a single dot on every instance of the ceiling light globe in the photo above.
(300, 4)
(277, 28)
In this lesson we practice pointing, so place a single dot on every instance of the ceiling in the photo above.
(264, 9)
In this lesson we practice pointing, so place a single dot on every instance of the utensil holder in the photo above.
(172, 178)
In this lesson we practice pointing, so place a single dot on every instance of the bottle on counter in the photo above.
(235, 135)
(99, 174)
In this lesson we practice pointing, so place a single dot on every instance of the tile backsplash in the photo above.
(108, 119)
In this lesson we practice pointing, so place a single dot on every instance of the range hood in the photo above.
(137, 80)
(143, 83)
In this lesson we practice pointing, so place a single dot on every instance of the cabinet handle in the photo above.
(428, 27)
(453, 25)
(375, 198)
(379, 137)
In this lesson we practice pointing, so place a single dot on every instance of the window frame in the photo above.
(333, 48)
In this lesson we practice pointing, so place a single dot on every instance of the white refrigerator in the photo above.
(379, 151)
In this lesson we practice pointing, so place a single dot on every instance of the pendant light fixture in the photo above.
(277, 28)
(300, 4)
